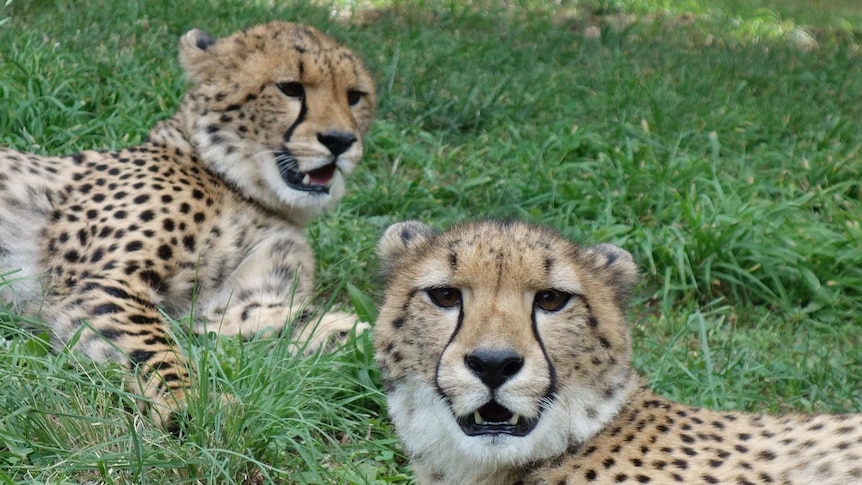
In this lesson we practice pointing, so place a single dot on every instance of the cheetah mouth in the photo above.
(317, 180)
(493, 418)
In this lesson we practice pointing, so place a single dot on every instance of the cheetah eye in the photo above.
(551, 300)
(353, 97)
(445, 297)
(292, 89)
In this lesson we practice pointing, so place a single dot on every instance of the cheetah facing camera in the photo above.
(205, 217)
(506, 359)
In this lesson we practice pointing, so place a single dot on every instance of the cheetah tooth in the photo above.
(514, 419)
(478, 418)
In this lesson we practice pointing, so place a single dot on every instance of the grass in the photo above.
(705, 137)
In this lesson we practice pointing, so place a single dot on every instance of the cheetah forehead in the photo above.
(273, 52)
(495, 254)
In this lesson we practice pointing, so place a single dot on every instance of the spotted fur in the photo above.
(204, 218)
(506, 359)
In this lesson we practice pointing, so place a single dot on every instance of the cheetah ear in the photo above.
(618, 267)
(195, 53)
(400, 237)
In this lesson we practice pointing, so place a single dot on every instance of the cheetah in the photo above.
(506, 359)
(203, 220)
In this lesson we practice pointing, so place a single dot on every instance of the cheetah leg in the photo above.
(268, 292)
(109, 321)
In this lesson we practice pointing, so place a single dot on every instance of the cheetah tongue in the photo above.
(320, 176)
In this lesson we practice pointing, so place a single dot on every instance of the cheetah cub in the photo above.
(204, 218)
(505, 355)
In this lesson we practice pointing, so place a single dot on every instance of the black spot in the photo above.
(152, 277)
(107, 309)
(165, 252)
(189, 242)
(766, 455)
(204, 41)
(110, 333)
(143, 319)
(140, 356)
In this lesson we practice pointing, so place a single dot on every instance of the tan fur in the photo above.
(498, 356)
(205, 217)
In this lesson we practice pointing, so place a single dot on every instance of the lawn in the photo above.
(717, 141)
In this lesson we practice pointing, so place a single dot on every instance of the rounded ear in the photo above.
(400, 237)
(195, 53)
(617, 265)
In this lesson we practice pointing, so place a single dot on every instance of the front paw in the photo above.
(249, 320)
(326, 333)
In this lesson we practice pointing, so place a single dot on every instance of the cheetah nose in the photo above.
(493, 366)
(336, 141)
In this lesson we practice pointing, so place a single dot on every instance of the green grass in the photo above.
(700, 135)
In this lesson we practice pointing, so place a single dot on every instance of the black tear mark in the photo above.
(299, 119)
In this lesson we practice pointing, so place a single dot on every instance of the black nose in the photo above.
(494, 367)
(336, 141)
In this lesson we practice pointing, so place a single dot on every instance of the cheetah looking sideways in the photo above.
(506, 359)
(204, 218)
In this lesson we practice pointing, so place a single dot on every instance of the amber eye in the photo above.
(445, 297)
(551, 300)
(353, 97)
(292, 89)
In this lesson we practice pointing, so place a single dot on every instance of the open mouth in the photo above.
(316, 180)
(494, 418)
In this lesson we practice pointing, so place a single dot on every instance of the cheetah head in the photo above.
(500, 343)
(278, 110)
